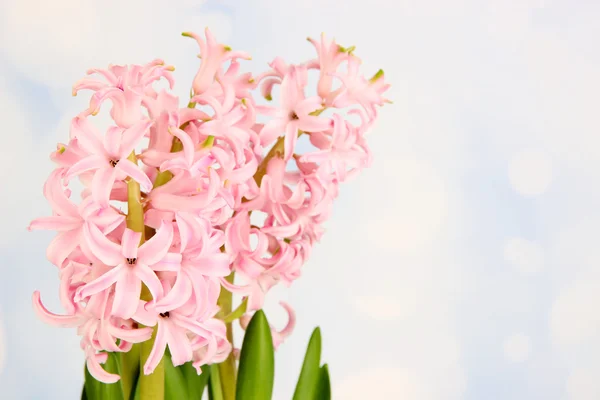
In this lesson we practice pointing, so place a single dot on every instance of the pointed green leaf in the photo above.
(323, 391)
(257, 361)
(215, 391)
(195, 383)
(96, 390)
(309, 375)
(175, 386)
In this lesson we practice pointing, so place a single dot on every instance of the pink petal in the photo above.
(112, 140)
(99, 373)
(62, 246)
(55, 193)
(287, 330)
(86, 164)
(308, 105)
(130, 242)
(144, 316)
(311, 123)
(290, 95)
(57, 223)
(158, 350)
(179, 344)
(102, 184)
(271, 131)
(146, 275)
(155, 249)
(170, 262)
(99, 284)
(188, 145)
(291, 137)
(87, 136)
(107, 251)
(133, 136)
(65, 321)
(131, 335)
(127, 294)
(136, 173)
(216, 265)
(179, 294)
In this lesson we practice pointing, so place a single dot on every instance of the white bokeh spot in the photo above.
(525, 256)
(530, 172)
(517, 348)
(583, 384)
(575, 318)
(412, 210)
(388, 307)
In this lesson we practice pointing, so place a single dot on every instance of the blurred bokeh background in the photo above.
(465, 264)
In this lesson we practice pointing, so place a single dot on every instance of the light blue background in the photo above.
(463, 265)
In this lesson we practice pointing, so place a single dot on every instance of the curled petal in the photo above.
(98, 372)
(65, 321)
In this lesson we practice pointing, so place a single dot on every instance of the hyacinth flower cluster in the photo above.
(162, 234)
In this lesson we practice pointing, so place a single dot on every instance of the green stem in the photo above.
(227, 369)
(130, 368)
(152, 387)
(237, 313)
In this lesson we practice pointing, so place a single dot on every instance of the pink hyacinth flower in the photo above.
(127, 86)
(132, 265)
(69, 220)
(294, 114)
(213, 55)
(108, 157)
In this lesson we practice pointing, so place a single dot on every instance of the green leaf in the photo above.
(215, 391)
(195, 383)
(130, 369)
(135, 388)
(95, 390)
(309, 374)
(175, 386)
(323, 391)
(257, 361)
(136, 393)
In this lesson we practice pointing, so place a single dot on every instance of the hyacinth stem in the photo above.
(152, 387)
(228, 368)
